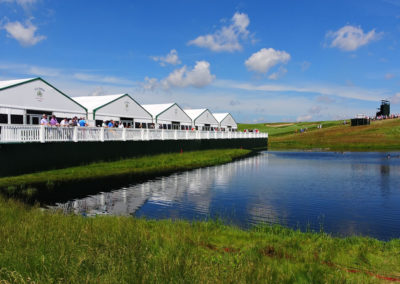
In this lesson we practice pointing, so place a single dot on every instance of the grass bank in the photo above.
(334, 136)
(37, 246)
(147, 166)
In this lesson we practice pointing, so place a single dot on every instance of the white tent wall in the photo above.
(37, 95)
(114, 107)
(202, 117)
(206, 118)
(168, 113)
(125, 106)
(174, 113)
(228, 121)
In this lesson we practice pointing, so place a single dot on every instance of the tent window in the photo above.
(3, 118)
(17, 119)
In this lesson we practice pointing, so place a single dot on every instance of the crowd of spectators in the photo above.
(75, 121)
(382, 117)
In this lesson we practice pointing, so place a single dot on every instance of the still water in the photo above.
(343, 193)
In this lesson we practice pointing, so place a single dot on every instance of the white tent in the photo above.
(226, 121)
(169, 116)
(121, 107)
(202, 119)
(24, 101)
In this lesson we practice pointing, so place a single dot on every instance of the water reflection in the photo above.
(346, 193)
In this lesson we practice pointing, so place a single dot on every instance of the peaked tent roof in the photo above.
(156, 109)
(94, 102)
(194, 113)
(10, 83)
(220, 116)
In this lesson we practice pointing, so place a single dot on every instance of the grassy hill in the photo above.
(334, 135)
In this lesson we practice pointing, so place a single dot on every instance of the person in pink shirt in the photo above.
(53, 121)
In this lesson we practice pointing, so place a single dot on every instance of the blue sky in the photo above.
(262, 61)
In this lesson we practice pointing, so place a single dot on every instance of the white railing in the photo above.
(41, 133)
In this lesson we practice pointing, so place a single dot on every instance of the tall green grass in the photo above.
(37, 246)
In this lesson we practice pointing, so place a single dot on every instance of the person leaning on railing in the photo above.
(44, 120)
(53, 121)
(64, 122)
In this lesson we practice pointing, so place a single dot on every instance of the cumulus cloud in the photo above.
(171, 58)
(198, 77)
(265, 59)
(350, 38)
(25, 34)
(228, 37)
(306, 117)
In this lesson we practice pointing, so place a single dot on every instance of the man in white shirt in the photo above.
(64, 122)
(44, 120)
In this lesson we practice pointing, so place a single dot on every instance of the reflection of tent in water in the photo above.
(193, 186)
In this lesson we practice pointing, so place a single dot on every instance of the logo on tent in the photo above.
(39, 94)
(126, 105)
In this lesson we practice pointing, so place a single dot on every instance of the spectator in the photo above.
(121, 125)
(82, 122)
(64, 122)
(111, 123)
(73, 121)
(53, 121)
(44, 120)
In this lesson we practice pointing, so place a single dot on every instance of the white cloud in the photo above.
(315, 110)
(278, 74)
(199, 76)
(325, 89)
(26, 69)
(102, 79)
(395, 99)
(350, 38)
(26, 4)
(306, 117)
(325, 99)
(228, 37)
(265, 59)
(171, 58)
(24, 34)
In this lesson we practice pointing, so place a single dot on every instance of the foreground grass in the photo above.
(142, 166)
(379, 136)
(37, 246)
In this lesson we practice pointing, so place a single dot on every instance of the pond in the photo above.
(344, 194)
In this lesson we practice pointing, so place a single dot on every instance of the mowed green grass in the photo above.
(38, 246)
(134, 167)
(335, 136)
